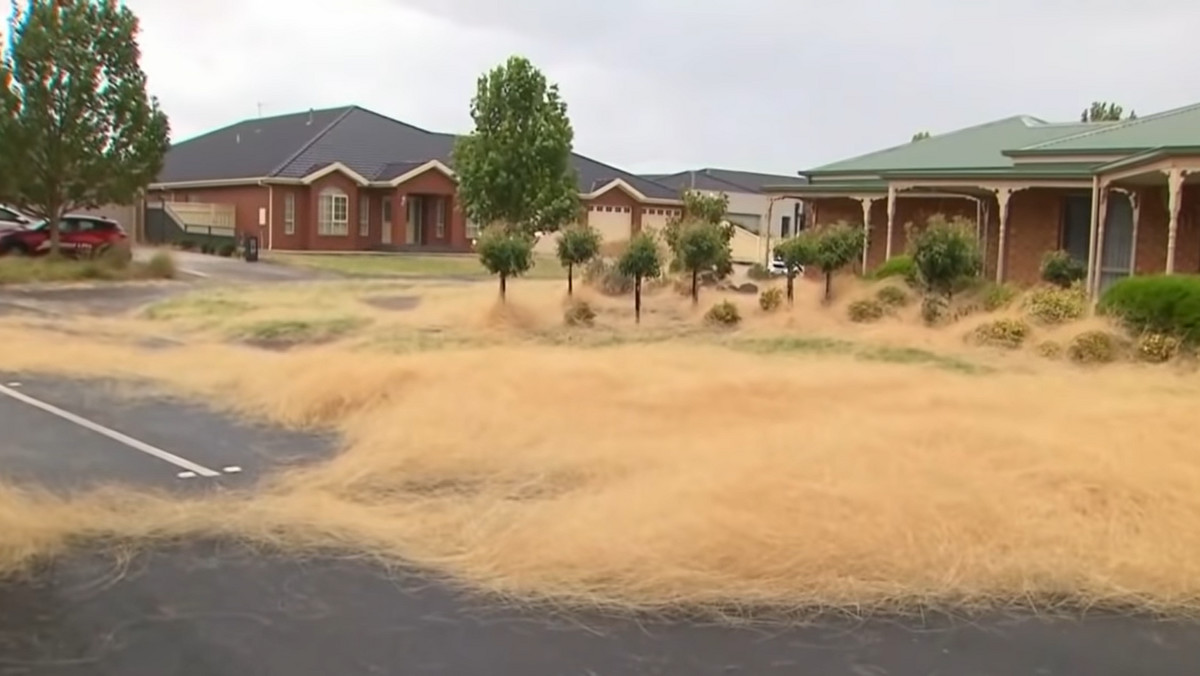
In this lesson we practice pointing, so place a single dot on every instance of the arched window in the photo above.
(334, 213)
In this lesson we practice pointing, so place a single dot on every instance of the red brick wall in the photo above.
(1152, 231)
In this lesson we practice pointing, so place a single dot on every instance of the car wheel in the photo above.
(13, 249)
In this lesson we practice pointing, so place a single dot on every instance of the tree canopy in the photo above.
(640, 261)
(77, 128)
(1105, 111)
(506, 253)
(515, 168)
(920, 136)
(577, 245)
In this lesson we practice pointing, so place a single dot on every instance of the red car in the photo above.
(80, 235)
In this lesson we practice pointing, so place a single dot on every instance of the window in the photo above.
(385, 211)
(334, 213)
(364, 215)
(439, 221)
(289, 214)
(472, 229)
(785, 227)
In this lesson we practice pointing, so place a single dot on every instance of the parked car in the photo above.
(80, 235)
(776, 267)
(11, 218)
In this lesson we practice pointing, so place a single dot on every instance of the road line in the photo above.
(125, 439)
(195, 273)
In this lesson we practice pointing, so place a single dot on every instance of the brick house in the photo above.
(1122, 197)
(351, 179)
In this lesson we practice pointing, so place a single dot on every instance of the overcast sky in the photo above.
(766, 85)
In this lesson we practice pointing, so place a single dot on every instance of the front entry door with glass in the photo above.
(412, 233)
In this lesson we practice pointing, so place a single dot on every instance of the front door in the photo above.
(385, 218)
(412, 234)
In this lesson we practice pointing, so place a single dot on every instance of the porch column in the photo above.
(1096, 253)
(1093, 227)
(1002, 197)
(891, 220)
(1174, 203)
(867, 203)
(1135, 201)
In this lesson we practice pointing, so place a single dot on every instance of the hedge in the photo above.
(1165, 304)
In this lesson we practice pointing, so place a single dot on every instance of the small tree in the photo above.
(640, 260)
(506, 252)
(515, 167)
(700, 246)
(577, 245)
(920, 136)
(1105, 111)
(795, 252)
(944, 253)
(829, 249)
(77, 128)
(1061, 269)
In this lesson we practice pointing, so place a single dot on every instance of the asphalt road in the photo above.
(219, 609)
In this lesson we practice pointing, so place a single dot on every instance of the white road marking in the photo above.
(129, 441)
(186, 475)
(14, 384)
(195, 273)
(232, 469)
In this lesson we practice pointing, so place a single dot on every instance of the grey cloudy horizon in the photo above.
(775, 86)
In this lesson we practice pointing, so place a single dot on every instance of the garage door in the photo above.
(615, 224)
(655, 218)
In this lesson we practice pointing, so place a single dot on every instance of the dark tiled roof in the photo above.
(375, 146)
(723, 179)
(248, 149)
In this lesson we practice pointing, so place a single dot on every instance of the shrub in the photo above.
(1157, 348)
(998, 296)
(505, 253)
(576, 245)
(615, 283)
(579, 313)
(161, 266)
(1094, 347)
(207, 248)
(1167, 304)
(944, 253)
(1061, 269)
(227, 250)
(898, 266)
(1006, 333)
(1052, 305)
(892, 296)
(865, 311)
(187, 245)
(759, 272)
(1050, 349)
(595, 270)
(934, 310)
(117, 256)
(770, 300)
(724, 313)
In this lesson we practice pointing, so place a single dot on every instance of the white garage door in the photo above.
(615, 224)
(656, 218)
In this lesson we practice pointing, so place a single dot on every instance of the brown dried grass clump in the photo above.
(683, 475)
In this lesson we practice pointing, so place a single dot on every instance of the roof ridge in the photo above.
(319, 135)
(392, 119)
(1124, 124)
(902, 146)
(707, 171)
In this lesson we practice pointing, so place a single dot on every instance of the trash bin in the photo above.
(250, 249)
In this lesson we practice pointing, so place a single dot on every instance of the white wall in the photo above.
(753, 203)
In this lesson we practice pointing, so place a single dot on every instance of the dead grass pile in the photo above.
(656, 476)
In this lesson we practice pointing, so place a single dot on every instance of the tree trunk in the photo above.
(55, 222)
(637, 300)
(791, 287)
(696, 286)
(503, 288)
(570, 279)
(828, 285)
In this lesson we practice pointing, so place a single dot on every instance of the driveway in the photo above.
(208, 267)
(222, 609)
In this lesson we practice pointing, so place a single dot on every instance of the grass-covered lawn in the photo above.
(410, 265)
(27, 270)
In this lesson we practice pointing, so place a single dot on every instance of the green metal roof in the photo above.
(978, 147)
(1178, 127)
(1151, 155)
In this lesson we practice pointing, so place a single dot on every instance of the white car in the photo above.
(12, 219)
(776, 267)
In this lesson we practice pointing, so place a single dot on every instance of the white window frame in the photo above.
(439, 222)
(289, 214)
(364, 215)
(333, 213)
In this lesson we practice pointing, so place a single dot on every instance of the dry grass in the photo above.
(679, 473)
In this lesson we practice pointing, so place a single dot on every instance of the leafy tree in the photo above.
(77, 128)
(944, 253)
(515, 167)
(505, 252)
(700, 246)
(829, 249)
(700, 208)
(920, 136)
(1105, 111)
(795, 253)
(577, 245)
(640, 261)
